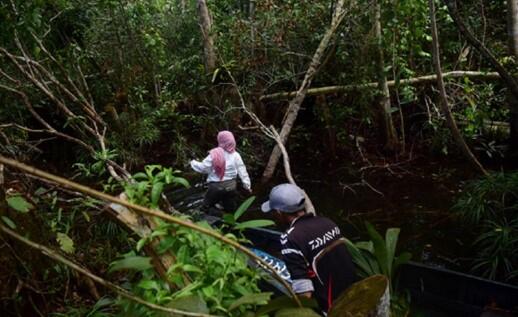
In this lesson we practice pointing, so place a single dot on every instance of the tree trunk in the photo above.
(389, 132)
(443, 99)
(512, 26)
(294, 105)
(391, 83)
(326, 117)
(205, 23)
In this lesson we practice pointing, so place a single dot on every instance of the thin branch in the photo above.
(50, 129)
(117, 289)
(273, 134)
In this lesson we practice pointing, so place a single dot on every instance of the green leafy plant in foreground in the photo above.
(232, 219)
(378, 256)
(207, 276)
(149, 185)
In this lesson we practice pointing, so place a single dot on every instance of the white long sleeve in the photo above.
(234, 167)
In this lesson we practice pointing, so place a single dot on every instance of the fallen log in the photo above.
(391, 83)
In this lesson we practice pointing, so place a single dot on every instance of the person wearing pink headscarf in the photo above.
(223, 165)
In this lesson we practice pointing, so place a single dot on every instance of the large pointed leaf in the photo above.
(138, 263)
(358, 258)
(181, 181)
(65, 242)
(8, 222)
(19, 203)
(365, 245)
(380, 248)
(190, 303)
(391, 237)
(255, 298)
(363, 298)
(401, 259)
(156, 191)
(254, 224)
(244, 207)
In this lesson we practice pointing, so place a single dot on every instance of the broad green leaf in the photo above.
(358, 258)
(165, 244)
(181, 181)
(244, 207)
(65, 242)
(138, 263)
(191, 268)
(229, 218)
(191, 303)
(254, 224)
(140, 176)
(8, 222)
(401, 259)
(380, 248)
(214, 254)
(391, 237)
(365, 245)
(298, 312)
(149, 284)
(19, 203)
(156, 191)
(141, 243)
(256, 298)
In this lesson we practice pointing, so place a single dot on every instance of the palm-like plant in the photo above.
(378, 256)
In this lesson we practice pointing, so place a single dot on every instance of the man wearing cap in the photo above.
(312, 247)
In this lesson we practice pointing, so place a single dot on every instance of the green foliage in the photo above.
(65, 242)
(378, 256)
(490, 206)
(148, 186)
(204, 268)
(131, 262)
(19, 204)
(232, 219)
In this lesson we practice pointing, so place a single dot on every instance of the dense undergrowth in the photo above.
(86, 86)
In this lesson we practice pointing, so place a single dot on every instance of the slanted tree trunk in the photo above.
(443, 99)
(512, 27)
(205, 22)
(389, 132)
(295, 103)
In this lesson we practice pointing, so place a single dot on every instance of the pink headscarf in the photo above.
(226, 142)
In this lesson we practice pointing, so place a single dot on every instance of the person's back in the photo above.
(314, 249)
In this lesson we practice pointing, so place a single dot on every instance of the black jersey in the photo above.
(317, 258)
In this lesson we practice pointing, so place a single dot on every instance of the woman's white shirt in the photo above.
(234, 167)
